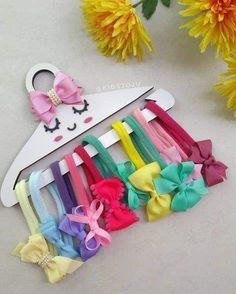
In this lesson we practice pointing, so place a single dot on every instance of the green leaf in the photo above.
(148, 8)
(166, 3)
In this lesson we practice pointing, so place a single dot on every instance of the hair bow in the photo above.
(64, 91)
(36, 251)
(134, 196)
(117, 215)
(172, 155)
(77, 230)
(51, 233)
(174, 178)
(90, 216)
(159, 205)
(213, 171)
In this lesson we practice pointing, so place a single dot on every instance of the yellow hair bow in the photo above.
(36, 251)
(159, 205)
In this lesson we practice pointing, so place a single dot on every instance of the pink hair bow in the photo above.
(213, 171)
(64, 91)
(90, 216)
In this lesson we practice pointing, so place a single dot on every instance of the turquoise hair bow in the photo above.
(174, 178)
(134, 196)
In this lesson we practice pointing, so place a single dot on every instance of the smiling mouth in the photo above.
(73, 128)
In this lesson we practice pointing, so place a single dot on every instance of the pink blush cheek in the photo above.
(88, 119)
(58, 138)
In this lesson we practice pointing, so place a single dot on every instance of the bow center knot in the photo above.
(55, 99)
(114, 204)
(45, 260)
(210, 160)
(182, 187)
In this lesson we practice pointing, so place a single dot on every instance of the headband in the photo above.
(174, 178)
(213, 171)
(86, 213)
(158, 206)
(110, 192)
(64, 187)
(160, 139)
(37, 250)
(123, 170)
(48, 225)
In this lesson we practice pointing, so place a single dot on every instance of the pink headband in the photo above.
(213, 171)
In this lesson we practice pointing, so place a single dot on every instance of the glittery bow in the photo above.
(174, 178)
(90, 216)
(213, 171)
(51, 233)
(64, 91)
(36, 251)
(77, 230)
(134, 196)
(117, 215)
(159, 205)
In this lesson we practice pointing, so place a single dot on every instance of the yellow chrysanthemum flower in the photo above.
(227, 86)
(116, 27)
(214, 21)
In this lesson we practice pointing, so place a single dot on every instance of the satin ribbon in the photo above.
(36, 251)
(134, 195)
(90, 217)
(159, 205)
(173, 178)
(64, 89)
(213, 171)
(77, 230)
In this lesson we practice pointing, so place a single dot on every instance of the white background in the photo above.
(185, 253)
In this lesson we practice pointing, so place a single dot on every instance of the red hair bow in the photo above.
(213, 171)
(117, 215)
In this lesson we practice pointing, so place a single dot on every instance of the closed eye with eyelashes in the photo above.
(56, 127)
(80, 111)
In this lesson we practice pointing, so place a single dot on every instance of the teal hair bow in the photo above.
(174, 178)
(135, 197)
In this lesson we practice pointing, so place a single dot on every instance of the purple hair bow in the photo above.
(64, 91)
(77, 230)
(213, 171)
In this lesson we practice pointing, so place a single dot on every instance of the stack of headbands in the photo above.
(168, 171)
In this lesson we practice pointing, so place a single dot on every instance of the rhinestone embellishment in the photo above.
(54, 98)
(45, 260)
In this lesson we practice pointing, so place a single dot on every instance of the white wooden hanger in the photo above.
(100, 107)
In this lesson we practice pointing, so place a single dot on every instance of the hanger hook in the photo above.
(36, 69)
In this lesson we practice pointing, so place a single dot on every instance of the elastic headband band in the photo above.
(62, 187)
(144, 140)
(183, 139)
(128, 145)
(159, 137)
(48, 225)
(91, 171)
(103, 154)
(26, 208)
(29, 213)
(81, 195)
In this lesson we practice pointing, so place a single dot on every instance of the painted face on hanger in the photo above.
(70, 118)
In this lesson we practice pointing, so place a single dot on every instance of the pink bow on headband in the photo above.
(64, 91)
(91, 217)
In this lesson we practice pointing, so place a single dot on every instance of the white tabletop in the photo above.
(185, 253)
